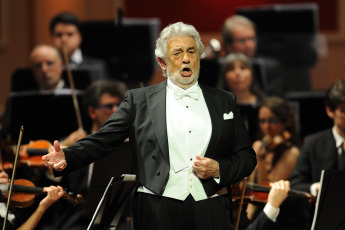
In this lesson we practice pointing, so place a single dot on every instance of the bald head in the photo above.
(47, 66)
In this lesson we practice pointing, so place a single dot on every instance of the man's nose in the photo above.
(237, 71)
(44, 67)
(64, 38)
(185, 58)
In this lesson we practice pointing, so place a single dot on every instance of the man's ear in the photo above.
(162, 63)
(92, 113)
(330, 112)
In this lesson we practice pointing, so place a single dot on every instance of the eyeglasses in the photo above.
(109, 106)
(271, 120)
(243, 40)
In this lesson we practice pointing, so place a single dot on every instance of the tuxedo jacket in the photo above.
(319, 152)
(142, 117)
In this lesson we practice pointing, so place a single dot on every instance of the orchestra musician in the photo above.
(164, 123)
(54, 193)
(323, 150)
(277, 150)
(266, 220)
(65, 33)
(47, 67)
(236, 76)
(239, 36)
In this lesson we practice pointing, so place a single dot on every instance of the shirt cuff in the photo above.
(313, 189)
(271, 212)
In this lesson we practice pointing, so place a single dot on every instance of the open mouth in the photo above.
(186, 72)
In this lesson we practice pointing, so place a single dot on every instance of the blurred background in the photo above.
(24, 24)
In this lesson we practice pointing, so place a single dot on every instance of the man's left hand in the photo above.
(205, 168)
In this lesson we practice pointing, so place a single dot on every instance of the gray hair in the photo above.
(229, 25)
(175, 30)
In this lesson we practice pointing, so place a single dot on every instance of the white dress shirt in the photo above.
(189, 131)
(76, 58)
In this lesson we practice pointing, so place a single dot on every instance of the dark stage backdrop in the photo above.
(208, 15)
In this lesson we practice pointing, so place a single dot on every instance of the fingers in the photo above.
(57, 146)
(281, 185)
(278, 193)
(53, 194)
(60, 165)
(205, 167)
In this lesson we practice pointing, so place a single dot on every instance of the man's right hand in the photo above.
(56, 158)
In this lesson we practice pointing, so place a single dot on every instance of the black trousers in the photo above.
(161, 213)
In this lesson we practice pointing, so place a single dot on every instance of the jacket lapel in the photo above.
(215, 110)
(156, 100)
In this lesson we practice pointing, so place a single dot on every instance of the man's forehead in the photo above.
(66, 26)
(185, 42)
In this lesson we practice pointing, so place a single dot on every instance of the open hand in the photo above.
(56, 158)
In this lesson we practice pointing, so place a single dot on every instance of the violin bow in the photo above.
(244, 181)
(71, 83)
(13, 175)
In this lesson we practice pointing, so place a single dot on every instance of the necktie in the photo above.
(342, 158)
(186, 93)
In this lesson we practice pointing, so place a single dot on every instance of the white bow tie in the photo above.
(184, 93)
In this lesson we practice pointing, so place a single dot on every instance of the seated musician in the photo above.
(266, 220)
(47, 68)
(277, 152)
(53, 194)
(323, 150)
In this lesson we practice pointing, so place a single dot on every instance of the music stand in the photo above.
(32, 109)
(110, 207)
(330, 204)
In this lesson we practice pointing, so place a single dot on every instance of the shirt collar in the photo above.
(338, 139)
(77, 57)
(173, 87)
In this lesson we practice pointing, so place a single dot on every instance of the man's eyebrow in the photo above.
(177, 49)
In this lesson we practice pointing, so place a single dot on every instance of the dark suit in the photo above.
(261, 222)
(319, 152)
(141, 116)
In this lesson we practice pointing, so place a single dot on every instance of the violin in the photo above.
(257, 193)
(271, 143)
(24, 193)
(29, 154)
